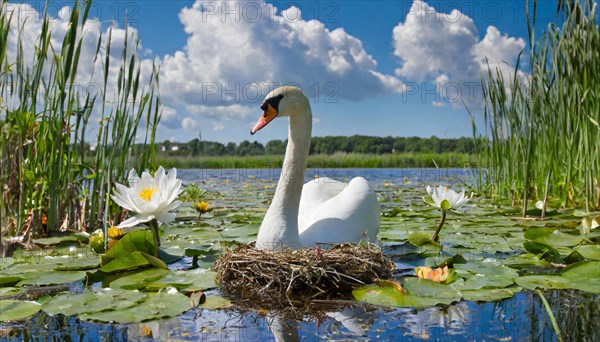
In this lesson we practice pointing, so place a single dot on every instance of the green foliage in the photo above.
(47, 170)
(337, 160)
(323, 146)
(542, 133)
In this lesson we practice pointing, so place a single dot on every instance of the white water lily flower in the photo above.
(149, 197)
(442, 193)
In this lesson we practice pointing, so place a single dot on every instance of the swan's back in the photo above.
(335, 212)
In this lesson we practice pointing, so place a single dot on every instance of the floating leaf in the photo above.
(12, 310)
(9, 280)
(481, 281)
(51, 277)
(591, 252)
(215, 302)
(138, 281)
(490, 295)
(542, 250)
(552, 237)
(421, 239)
(134, 260)
(55, 240)
(68, 304)
(155, 306)
(486, 267)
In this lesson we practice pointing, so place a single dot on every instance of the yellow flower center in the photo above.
(147, 193)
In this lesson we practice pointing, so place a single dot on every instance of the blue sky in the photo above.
(369, 67)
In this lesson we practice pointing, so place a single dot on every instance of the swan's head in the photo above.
(283, 101)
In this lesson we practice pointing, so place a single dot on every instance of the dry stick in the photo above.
(435, 236)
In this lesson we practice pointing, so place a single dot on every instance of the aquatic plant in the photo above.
(48, 167)
(151, 198)
(446, 199)
(541, 136)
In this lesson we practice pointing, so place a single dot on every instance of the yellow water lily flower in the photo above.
(115, 233)
(149, 197)
(438, 275)
(201, 207)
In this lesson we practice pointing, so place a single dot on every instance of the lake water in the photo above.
(520, 318)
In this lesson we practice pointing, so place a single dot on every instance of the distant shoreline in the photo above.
(336, 160)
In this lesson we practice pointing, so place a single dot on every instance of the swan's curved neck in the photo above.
(281, 220)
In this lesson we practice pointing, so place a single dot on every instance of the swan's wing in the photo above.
(346, 217)
(314, 193)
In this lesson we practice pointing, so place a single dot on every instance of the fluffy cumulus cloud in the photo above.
(237, 51)
(27, 21)
(444, 48)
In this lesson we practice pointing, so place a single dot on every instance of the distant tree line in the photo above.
(322, 145)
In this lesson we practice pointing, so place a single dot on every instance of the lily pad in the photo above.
(134, 260)
(552, 237)
(591, 252)
(215, 302)
(51, 278)
(481, 281)
(139, 280)
(55, 240)
(155, 306)
(421, 239)
(11, 310)
(542, 250)
(416, 293)
(490, 267)
(490, 295)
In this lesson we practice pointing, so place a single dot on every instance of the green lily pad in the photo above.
(11, 310)
(10, 291)
(215, 302)
(591, 252)
(155, 306)
(55, 240)
(494, 268)
(584, 275)
(542, 250)
(9, 280)
(545, 281)
(185, 281)
(68, 304)
(481, 281)
(421, 239)
(552, 237)
(134, 260)
(417, 293)
(51, 278)
(135, 241)
(139, 280)
(5, 262)
(490, 295)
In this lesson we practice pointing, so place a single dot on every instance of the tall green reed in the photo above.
(48, 172)
(541, 137)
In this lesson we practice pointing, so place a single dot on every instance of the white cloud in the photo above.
(445, 49)
(190, 124)
(237, 51)
(218, 127)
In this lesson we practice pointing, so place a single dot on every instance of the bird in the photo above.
(322, 211)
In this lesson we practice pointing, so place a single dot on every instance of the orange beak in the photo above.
(268, 115)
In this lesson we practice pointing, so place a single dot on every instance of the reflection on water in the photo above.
(412, 176)
(521, 318)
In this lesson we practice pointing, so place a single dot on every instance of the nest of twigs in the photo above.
(316, 273)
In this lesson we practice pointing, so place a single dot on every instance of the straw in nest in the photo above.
(315, 273)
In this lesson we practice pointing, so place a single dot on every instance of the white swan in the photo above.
(321, 211)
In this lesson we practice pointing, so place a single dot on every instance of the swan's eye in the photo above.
(273, 101)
